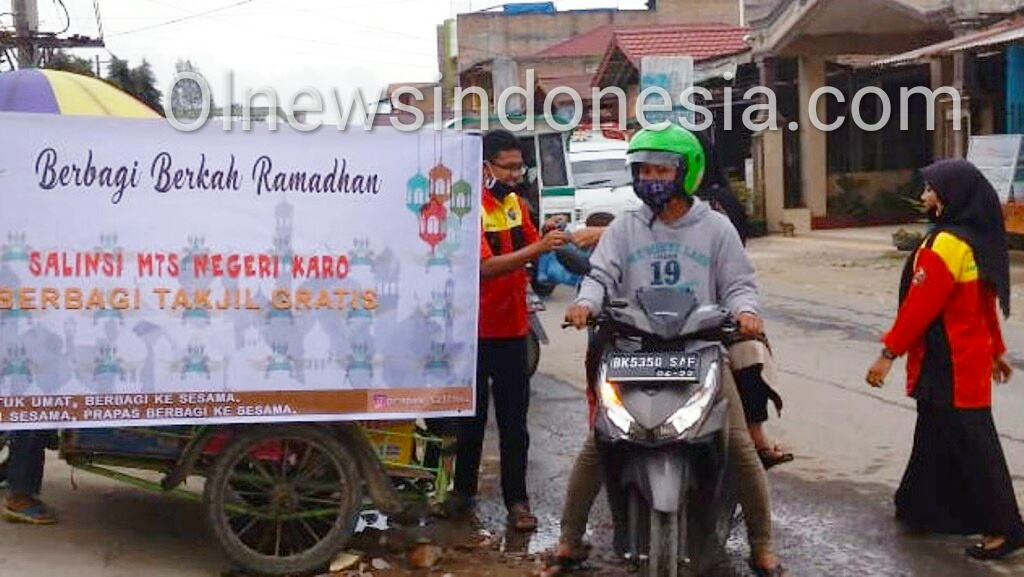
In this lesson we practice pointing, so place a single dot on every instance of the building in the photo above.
(808, 177)
(491, 49)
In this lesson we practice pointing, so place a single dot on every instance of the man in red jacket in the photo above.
(509, 241)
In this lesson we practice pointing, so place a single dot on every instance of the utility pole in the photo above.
(31, 47)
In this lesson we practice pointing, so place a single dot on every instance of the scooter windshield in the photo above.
(666, 309)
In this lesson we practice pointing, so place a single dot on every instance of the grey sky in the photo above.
(285, 44)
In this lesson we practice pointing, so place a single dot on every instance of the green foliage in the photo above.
(61, 60)
(140, 82)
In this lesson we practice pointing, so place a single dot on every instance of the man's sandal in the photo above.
(521, 519)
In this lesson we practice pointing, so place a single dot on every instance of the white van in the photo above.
(603, 182)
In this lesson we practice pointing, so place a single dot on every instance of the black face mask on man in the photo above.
(500, 189)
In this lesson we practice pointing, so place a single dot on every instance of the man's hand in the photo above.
(750, 325)
(1001, 371)
(878, 372)
(557, 221)
(578, 315)
(553, 240)
(587, 237)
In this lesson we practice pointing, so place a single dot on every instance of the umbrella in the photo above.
(58, 92)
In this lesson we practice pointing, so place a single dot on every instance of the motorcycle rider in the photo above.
(675, 241)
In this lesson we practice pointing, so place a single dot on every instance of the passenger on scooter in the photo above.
(675, 241)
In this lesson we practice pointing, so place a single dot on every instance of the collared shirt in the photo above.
(507, 227)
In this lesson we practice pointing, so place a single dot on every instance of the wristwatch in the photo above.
(887, 354)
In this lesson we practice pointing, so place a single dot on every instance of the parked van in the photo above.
(603, 182)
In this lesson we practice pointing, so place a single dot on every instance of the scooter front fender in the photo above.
(662, 476)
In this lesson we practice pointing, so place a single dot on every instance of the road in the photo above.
(827, 298)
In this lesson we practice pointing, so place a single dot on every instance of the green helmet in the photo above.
(674, 146)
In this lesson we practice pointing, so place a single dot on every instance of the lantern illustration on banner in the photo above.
(462, 190)
(417, 188)
(441, 178)
(434, 228)
(462, 197)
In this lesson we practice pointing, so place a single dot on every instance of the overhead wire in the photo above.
(67, 16)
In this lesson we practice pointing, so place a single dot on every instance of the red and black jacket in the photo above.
(506, 228)
(948, 326)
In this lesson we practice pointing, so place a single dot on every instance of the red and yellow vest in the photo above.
(507, 227)
(948, 326)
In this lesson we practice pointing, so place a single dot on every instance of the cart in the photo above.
(279, 499)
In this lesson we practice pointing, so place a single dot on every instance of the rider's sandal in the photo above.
(772, 456)
(777, 571)
(556, 564)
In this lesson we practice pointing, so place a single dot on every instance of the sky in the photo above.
(284, 44)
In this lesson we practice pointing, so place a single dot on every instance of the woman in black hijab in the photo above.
(957, 480)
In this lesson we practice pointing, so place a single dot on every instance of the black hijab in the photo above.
(973, 213)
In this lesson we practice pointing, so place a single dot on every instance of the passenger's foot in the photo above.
(27, 510)
(768, 566)
(521, 519)
(773, 455)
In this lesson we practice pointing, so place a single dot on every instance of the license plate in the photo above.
(653, 367)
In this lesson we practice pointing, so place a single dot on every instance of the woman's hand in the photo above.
(878, 372)
(1001, 370)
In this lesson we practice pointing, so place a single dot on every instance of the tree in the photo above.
(61, 60)
(187, 95)
(140, 82)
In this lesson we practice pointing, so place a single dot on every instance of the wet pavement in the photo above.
(835, 528)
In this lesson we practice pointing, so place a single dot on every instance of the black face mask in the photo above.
(500, 189)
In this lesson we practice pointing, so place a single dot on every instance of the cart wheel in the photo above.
(283, 500)
(532, 353)
(5, 455)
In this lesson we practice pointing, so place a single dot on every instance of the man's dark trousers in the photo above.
(501, 372)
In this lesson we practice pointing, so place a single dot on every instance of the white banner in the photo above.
(149, 276)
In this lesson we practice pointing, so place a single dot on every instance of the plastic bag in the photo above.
(551, 272)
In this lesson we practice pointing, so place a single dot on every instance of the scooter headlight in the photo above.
(690, 416)
(612, 403)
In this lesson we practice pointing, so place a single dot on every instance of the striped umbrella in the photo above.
(58, 92)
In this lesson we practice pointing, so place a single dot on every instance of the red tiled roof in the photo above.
(701, 41)
(592, 43)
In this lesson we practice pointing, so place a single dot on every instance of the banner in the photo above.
(675, 75)
(151, 277)
(1000, 157)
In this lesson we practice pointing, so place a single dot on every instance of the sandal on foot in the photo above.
(36, 513)
(1010, 546)
(521, 519)
(777, 571)
(560, 564)
(772, 456)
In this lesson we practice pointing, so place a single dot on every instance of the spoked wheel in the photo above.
(5, 455)
(283, 500)
(532, 353)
